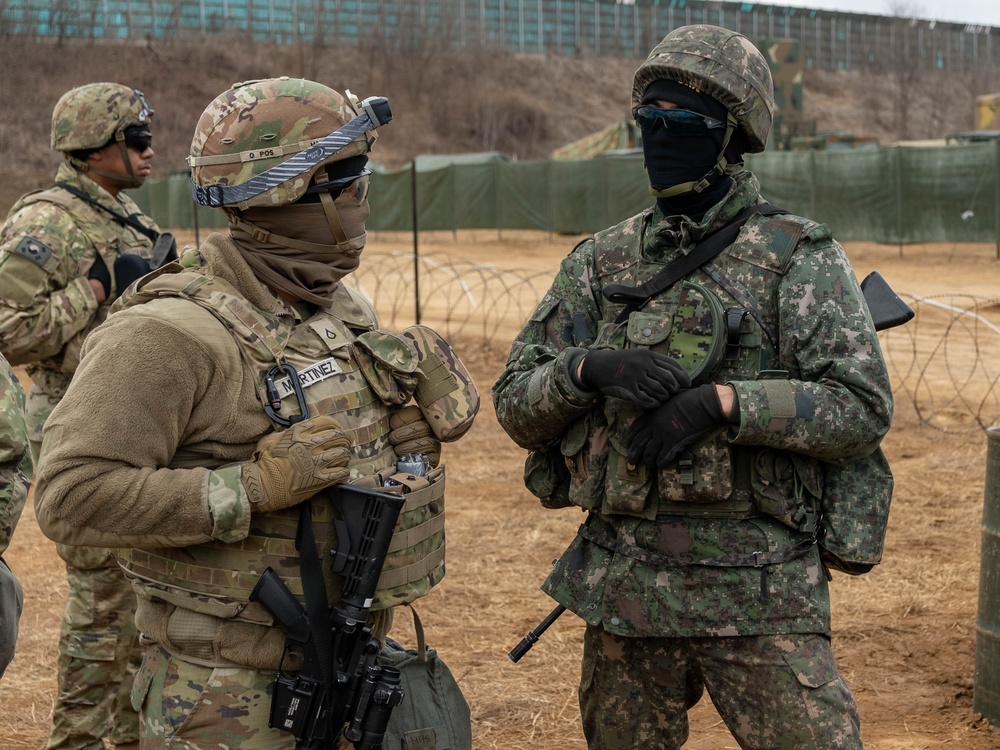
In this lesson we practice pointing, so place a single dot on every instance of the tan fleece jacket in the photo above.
(161, 384)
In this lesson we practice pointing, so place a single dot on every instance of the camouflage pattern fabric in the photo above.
(189, 705)
(89, 116)
(259, 124)
(98, 657)
(15, 475)
(48, 244)
(774, 692)
(718, 62)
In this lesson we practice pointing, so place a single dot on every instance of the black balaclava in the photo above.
(674, 160)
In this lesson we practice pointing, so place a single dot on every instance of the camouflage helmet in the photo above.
(91, 116)
(720, 63)
(257, 125)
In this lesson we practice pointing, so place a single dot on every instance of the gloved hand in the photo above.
(99, 272)
(128, 268)
(411, 434)
(291, 466)
(660, 435)
(646, 377)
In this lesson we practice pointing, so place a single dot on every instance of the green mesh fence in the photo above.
(893, 195)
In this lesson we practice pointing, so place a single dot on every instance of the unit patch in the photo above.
(33, 250)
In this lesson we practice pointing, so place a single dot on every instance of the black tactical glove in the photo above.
(643, 376)
(99, 271)
(128, 268)
(662, 434)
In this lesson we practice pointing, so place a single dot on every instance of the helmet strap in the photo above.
(126, 181)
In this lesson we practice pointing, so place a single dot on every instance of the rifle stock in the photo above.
(339, 689)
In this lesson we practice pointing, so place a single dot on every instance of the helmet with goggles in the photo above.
(93, 116)
(720, 63)
(267, 143)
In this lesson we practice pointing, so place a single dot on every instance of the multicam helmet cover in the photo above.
(91, 116)
(720, 63)
(257, 125)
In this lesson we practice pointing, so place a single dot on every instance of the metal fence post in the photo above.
(986, 691)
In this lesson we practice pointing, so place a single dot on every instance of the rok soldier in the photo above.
(246, 378)
(15, 474)
(689, 397)
(66, 252)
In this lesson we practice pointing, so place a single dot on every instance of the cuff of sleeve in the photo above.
(228, 504)
(81, 297)
(567, 361)
(765, 406)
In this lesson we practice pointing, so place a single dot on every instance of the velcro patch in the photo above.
(33, 250)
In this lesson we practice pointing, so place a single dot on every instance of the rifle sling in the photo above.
(635, 297)
(125, 221)
(317, 605)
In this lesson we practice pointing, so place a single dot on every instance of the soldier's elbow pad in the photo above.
(445, 392)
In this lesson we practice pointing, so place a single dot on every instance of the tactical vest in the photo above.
(720, 323)
(215, 579)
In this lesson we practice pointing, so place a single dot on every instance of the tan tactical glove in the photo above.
(291, 466)
(410, 434)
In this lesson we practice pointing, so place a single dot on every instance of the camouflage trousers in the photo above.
(190, 706)
(98, 655)
(776, 692)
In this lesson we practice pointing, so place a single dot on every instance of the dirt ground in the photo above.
(904, 634)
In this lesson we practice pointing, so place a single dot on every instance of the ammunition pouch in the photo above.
(416, 557)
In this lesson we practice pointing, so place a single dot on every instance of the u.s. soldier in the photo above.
(247, 379)
(686, 380)
(66, 252)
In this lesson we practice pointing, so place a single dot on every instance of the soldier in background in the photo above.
(247, 377)
(15, 474)
(66, 252)
(691, 413)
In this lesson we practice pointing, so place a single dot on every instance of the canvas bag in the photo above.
(434, 714)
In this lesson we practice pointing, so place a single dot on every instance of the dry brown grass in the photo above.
(904, 634)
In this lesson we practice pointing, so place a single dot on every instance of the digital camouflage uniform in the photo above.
(705, 572)
(15, 474)
(173, 449)
(48, 244)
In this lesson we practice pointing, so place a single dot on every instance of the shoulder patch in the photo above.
(34, 250)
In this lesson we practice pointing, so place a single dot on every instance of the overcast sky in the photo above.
(983, 12)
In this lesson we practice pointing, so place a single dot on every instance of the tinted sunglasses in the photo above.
(679, 122)
(138, 138)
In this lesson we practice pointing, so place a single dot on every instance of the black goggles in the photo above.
(138, 138)
(678, 122)
(336, 186)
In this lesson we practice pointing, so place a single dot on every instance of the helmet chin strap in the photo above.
(696, 186)
(128, 180)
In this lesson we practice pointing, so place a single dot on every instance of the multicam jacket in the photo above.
(48, 244)
(15, 458)
(156, 466)
(723, 541)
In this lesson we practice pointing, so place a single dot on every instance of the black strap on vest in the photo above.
(635, 297)
(125, 221)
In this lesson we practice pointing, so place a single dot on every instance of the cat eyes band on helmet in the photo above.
(375, 113)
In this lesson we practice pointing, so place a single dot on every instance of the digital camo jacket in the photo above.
(722, 542)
